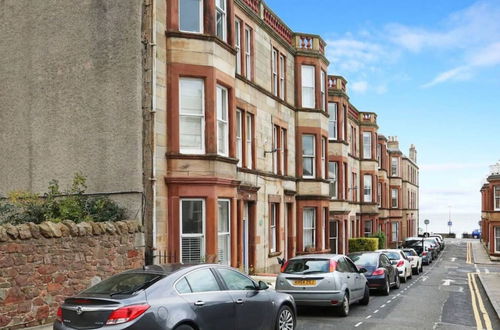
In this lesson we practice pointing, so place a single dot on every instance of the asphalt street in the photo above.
(447, 295)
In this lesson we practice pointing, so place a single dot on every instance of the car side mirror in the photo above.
(281, 261)
(362, 270)
(262, 286)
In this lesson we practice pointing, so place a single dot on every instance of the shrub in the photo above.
(363, 244)
(381, 239)
(71, 204)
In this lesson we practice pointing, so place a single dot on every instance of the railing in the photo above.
(495, 169)
(254, 5)
(305, 42)
(337, 82)
(277, 26)
(309, 42)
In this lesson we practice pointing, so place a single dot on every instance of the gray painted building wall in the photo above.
(70, 95)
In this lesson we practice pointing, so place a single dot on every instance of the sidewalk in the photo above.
(40, 327)
(480, 255)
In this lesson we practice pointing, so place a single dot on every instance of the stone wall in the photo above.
(40, 265)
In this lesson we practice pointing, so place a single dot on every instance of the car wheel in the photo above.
(366, 296)
(184, 327)
(343, 309)
(387, 287)
(398, 282)
(286, 319)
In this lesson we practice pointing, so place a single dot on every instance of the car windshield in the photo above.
(412, 242)
(125, 283)
(307, 266)
(392, 255)
(409, 253)
(365, 259)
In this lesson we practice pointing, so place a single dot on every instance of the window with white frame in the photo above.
(273, 228)
(395, 231)
(308, 156)
(282, 151)
(394, 198)
(274, 67)
(308, 86)
(282, 77)
(222, 122)
(249, 140)
(239, 140)
(379, 194)
(368, 228)
(333, 235)
(497, 239)
(332, 121)
(275, 149)
(223, 231)
(333, 176)
(192, 223)
(191, 116)
(248, 53)
(323, 158)
(220, 19)
(309, 228)
(323, 90)
(191, 16)
(367, 181)
(394, 166)
(497, 197)
(237, 44)
(379, 155)
(367, 145)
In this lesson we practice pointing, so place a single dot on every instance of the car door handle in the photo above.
(348, 277)
(239, 301)
(199, 303)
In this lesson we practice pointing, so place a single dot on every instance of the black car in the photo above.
(178, 297)
(381, 274)
(424, 248)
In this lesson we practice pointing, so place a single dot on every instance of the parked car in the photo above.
(415, 260)
(476, 233)
(441, 239)
(423, 248)
(437, 242)
(324, 280)
(398, 258)
(178, 297)
(380, 273)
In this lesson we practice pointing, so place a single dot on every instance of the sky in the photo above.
(431, 71)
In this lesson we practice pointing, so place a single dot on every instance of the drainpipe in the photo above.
(153, 121)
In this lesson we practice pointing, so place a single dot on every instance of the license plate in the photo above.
(304, 282)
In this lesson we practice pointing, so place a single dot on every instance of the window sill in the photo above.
(274, 254)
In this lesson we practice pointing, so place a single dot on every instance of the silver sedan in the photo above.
(324, 280)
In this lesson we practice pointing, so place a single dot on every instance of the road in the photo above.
(439, 298)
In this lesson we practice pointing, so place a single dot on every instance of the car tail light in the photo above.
(59, 314)
(126, 314)
(400, 263)
(333, 266)
(424, 253)
(284, 266)
(378, 271)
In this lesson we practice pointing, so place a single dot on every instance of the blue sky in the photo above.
(431, 71)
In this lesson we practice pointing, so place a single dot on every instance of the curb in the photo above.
(47, 326)
(494, 303)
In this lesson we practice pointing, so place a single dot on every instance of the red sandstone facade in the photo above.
(490, 212)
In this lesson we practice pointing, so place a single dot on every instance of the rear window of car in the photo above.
(307, 266)
(409, 253)
(393, 255)
(126, 283)
(365, 259)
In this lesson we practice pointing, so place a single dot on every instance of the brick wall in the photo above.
(40, 265)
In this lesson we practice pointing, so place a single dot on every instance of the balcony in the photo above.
(309, 43)
(337, 83)
(368, 118)
(494, 173)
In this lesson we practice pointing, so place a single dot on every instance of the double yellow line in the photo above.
(468, 258)
(480, 314)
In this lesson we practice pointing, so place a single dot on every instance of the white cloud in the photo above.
(460, 73)
(452, 166)
(350, 55)
(359, 86)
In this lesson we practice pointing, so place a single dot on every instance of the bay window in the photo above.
(192, 216)
(223, 232)
(282, 77)
(323, 158)
(237, 44)
(333, 176)
(497, 197)
(379, 155)
(274, 69)
(239, 141)
(249, 140)
(367, 181)
(191, 116)
(379, 194)
(395, 231)
(222, 121)
(221, 19)
(394, 198)
(309, 228)
(248, 53)
(308, 156)
(323, 90)
(394, 166)
(497, 239)
(191, 16)
(308, 86)
(332, 121)
(367, 145)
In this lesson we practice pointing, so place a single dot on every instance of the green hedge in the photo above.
(381, 239)
(363, 244)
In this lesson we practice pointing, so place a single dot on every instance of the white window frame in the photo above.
(365, 232)
(201, 235)
(496, 198)
(201, 149)
(332, 121)
(223, 12)
(308, 70)
(274, 67)
(367, 145)
(333, 177)
(394, 198)
(282, 64)
(222, 108)
(379, 155)
(237, 44)
(227, 233)
(239, 138)
(282, 150)
(394, 233)
(312, 229)
(309, 156)
(367, 189)
(323, 90)
(200, 13)
(497, 238)
(249, 140)
(394, 166)
(273, 221)
(275, 149)
(324, 164)
(379, 194)
(248, 53)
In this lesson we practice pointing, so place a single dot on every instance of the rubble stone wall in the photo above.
(41, 265)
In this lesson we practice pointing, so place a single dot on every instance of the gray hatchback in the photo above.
(324, 280)
(178, 297)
